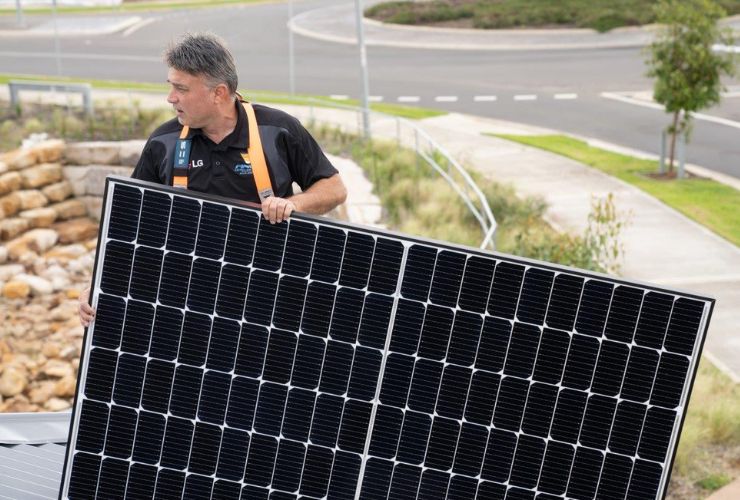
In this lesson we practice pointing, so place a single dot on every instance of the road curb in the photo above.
(123, 24)
(312, 24)
(294, 26)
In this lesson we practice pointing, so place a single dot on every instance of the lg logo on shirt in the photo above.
(196, 163)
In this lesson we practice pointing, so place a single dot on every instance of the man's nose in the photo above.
(171, 98)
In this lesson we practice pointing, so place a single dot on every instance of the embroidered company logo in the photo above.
(196, 163)
(243, 168)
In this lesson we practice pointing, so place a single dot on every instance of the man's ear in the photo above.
(221, 93)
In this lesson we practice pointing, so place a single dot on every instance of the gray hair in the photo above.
(204, 54)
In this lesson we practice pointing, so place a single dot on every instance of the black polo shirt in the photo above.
(290, 151)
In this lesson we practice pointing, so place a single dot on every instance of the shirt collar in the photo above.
(238, 138)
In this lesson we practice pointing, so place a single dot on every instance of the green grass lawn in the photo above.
(708, 202)
(128, 6)
(708, 455)
(601, 15)
(414, 113)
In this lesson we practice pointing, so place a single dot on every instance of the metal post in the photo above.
(57, 49)
(681, 156)
(662, 151)
(291, 55)
(363, 68)
(19, 14)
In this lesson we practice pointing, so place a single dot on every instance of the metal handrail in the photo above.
(467, 189)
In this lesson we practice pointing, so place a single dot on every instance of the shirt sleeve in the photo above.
(146, 169)
(306, 161)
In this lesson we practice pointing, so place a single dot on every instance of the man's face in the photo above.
(193, 100)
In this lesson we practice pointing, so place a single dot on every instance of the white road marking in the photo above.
(375, 98)
(566, 97)
(525, 97)
(631, 100)
(485, 98)
(136, 27)
(446, 98)
(655, 105)
(717, 47)
(339, 97)
(408, 98)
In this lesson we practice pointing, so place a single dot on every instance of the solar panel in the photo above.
(234, 358)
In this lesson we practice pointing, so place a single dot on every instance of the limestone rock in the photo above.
(51, 150)
(76, 230)
(69, 209)
(31, 198)
(64, 253)
(10, 228)
(12, 381)
(3, 167)
(58, 277)
(3, 254)
(35, 241)
(40, 240)
(16, 290)
(82, 265)
(51, 350)
(90, 180)
(57, 368)
(57, 404)
(64, 311)
(10, 204)
(4, 348)
(94, 206)
(18, 248)
(38, 285)
(19, 159)
(10, 181)
(130, 152)
(75, 175)
(42, 393)
(59, 191)
(40, 217)
(17, 404)
(88, 153)
(72, 353)
(9, 270)
(66, 386)
(41, 175)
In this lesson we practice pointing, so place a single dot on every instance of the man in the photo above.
(203, 83)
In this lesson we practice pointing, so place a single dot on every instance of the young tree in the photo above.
(687, 71)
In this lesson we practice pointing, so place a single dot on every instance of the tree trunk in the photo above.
(674, 133)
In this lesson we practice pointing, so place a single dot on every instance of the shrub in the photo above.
(419, 202)
(110, 122)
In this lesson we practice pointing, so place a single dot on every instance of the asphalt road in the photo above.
(258, 36)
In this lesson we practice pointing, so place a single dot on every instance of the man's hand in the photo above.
(277, 209)
(86, 312)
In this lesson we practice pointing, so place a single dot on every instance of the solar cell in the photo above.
(234, 358)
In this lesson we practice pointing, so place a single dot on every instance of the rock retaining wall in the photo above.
(50, 202)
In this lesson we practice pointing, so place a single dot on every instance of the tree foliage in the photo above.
(688, 72)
